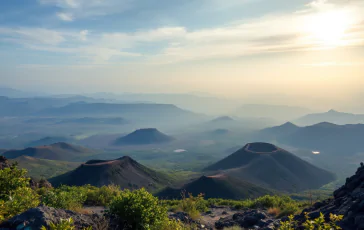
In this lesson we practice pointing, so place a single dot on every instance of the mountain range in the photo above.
(331, 116)
(58, 151)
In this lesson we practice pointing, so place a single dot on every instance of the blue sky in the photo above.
(214, 46)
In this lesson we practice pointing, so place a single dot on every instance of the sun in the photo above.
(329, 28)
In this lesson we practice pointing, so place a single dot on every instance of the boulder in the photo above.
(4, 163)
(35, 218)
(249, 219)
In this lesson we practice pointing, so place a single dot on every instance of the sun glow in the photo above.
(329, 28)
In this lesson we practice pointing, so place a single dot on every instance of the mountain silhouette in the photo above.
(58, 151)
(331, 116)
(124, 172)
(216, 186)
(269, 166)
(144, 137)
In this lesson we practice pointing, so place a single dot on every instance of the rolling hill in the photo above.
(42, 168)
(327, 138)
(269, 166)
(331, 116)
(48, 141)
(124, 172)
(95, 121)
(59, 151)
(277, 112)
(216, 186)
(146, 136)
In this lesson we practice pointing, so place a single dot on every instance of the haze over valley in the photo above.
(171, 115)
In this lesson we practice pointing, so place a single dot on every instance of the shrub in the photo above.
(66, 197)
(64, 224)
(318, 223)
(15, 194)
(19, 200)
(274, 211)
(193, 205)
(11, 179)
(140, 209)
(102, 196)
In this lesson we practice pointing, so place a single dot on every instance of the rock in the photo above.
(348, 201)
(224, 213)
(4, 163)
(35, 218)
(43, 183)
(250, 219)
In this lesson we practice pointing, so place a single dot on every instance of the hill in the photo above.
(124, 172)
(47, 141)
(273, 133)
(331, 116)
(42, 168)
(269, 166)
(277, 112)
(144, 137)
(95, 121)
(222, 119)
(129, 110)
(58, 151)
(327, 138)
(216, 186)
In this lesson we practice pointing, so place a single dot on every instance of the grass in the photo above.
(42, 168)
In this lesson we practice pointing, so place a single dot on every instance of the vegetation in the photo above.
(318, 223)
(282, 205)
(15, 195)
(140, 209)
(64, 224)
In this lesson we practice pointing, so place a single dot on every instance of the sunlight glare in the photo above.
(328, 28)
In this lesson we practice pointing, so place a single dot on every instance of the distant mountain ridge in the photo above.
(277, 112)
(331, 116)
(57, 151)
(48, 141)
(269, 166)
(124, 172)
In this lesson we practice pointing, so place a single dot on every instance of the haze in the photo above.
(275, 52)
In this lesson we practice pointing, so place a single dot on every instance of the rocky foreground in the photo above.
(347, 201)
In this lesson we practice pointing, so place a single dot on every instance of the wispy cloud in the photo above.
(288, 32)
(64, 17)
(75, 9)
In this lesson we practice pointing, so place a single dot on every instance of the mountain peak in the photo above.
(144, 137)
(223, 119)
(332, 111)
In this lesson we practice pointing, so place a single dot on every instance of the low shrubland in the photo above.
(138, 209)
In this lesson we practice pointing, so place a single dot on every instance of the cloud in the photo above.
(65, 17)
(276, 33)
(76, 9)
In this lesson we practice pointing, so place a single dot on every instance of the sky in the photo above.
(287, 51)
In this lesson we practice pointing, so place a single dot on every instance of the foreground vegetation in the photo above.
(139, 208)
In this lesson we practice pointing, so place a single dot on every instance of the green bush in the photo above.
(318, 223)
(11, 179)
(19, 200)
(15, 194)
(64, 224)
(140, 209)
(66, 197)
(102, 196)
(193, 205)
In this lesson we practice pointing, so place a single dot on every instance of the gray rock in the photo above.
(35, 218)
